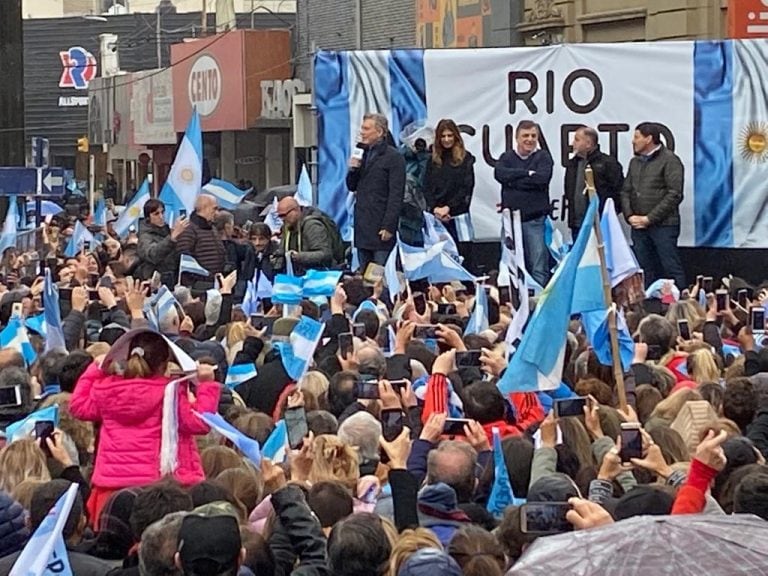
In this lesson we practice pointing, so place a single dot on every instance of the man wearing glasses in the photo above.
(304, 238)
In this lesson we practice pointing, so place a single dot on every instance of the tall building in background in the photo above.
(60, 8)
(12, 86)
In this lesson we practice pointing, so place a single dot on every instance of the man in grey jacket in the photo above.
(650, 200)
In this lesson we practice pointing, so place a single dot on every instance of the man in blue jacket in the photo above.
(524, 174)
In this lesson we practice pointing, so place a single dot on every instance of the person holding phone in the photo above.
(129, 408)
(157, 243)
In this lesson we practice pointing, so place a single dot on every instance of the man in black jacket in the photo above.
(607, 171)
(157, 244)
(201, 240)
(650, 201)
(378, 180)
(524, 175)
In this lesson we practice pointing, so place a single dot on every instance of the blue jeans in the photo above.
(656, 252)
(535, 249)
(368, 256)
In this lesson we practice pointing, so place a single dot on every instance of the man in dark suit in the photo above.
(609, 176)
(378, 180)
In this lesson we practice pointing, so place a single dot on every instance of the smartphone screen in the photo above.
(367, 389)
(17, 309)
(106, 282)
(420, 303)
(446, 309)
(743, 298)
(43, 431)
(757, 318)
(631, 443)
(570, 407)
(86, 245)
(10, 396)
(296, 426)
(182, 213)
(391, 424)
(358, 330)
(545, 518)
(468, 358)
(345, 344)
(425, 332)
(684, 329)
(707, 284)
(455, 426)
(721, 300)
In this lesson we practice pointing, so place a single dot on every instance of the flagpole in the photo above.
(618, 372)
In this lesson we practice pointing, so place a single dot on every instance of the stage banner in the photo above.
(708, 96)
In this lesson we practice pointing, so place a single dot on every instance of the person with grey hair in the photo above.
(202, 241)
(371, 361)
(158, 546)
(363, 431)
(454, 463)
(608, 174)
(377, 177)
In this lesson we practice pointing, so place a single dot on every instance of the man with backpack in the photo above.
(308, 236)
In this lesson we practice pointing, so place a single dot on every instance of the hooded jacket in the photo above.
(131, 412)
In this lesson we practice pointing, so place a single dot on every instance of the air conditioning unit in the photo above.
(110, 62)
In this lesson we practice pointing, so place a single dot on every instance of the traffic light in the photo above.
(82, 144)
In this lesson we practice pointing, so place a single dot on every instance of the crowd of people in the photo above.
(390, 465)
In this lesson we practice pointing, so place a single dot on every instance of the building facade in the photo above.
(64, 8)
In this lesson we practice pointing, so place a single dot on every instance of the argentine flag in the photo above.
(47, 208)
(188, 265)
(575, 287)
(46, 552)
(287, 289)
(248, 446)
(391, 277)
(502, 494)
(227, 195)
(275, 448)
(10, 230)
(54, 333)
(434, 263)
(133, 211)
(619, 258)
(297, 353)
(271, 219)
(100, 213)
(15, 336)
(240, 373)
(553, 238)
(478, 321)
(186, 176)
(320, 283)
(26, 427)
(80, 235)
(435, 231)
(304, 188)
(596, 328)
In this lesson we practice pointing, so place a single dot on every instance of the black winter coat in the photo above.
(609, 178)
(201, 241)
(379, 185)
(525, 183)
(156, 251)
(449, 185)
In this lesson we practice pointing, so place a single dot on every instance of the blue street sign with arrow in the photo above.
(18, 181)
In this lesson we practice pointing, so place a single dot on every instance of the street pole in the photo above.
(618, 371)
(91, 182)
(158, 32)
(203, 19)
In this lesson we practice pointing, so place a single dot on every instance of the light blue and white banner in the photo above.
(713, 105)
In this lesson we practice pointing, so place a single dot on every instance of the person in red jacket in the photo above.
(709, 460)
(129, 408)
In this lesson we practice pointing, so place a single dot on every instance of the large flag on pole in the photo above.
(186, 176)
(8, 236)
(54, 332)
(619, 258)
(575, 287)
(133, 211)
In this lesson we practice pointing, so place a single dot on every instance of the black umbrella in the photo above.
(686, 545)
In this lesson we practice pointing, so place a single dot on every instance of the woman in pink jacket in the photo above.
(129, 409)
